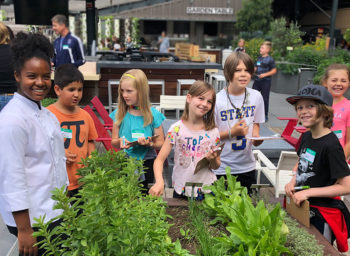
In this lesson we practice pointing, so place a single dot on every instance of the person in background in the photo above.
(336, 79)
(163, 42)
(68, 47)
(240, 46)
(7, 80)
(129, 44)
(116, 43)
(265, 68)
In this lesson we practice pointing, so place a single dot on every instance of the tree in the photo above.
(255, 15)
(283, 37)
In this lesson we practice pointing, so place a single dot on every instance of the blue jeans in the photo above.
(4, 99)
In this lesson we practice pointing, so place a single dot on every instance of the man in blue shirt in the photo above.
(68, 47)
(163, 42)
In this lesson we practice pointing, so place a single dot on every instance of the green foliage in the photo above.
(283, 37)
(301, 57)
(340, 57)
(300, 242)
(252, 47)
(347, 35)
(255, 15)
(135, 32)
(208, 246)
(48, 101)
(251, 230)
(116, 219)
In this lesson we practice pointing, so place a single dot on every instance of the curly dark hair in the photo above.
(26, 46)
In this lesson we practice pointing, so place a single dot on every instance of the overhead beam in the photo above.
(126, 7)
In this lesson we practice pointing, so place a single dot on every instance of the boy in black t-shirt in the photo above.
(321, 166)
(265, 68)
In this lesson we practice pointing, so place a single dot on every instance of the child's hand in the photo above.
(240, 128)
(211, 154)
(71, 157)
(300, 196)
(124, 143)
(289, 188)
(145, 142)
(261, 76)
(257, 142)
(157, 189)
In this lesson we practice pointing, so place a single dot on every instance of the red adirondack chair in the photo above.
(288, 130)
(103, 135)
(97, 104)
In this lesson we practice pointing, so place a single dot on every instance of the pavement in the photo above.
(272, 148)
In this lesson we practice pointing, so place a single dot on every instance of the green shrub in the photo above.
(283, 37)
(116, 218)
(48, 101)
(301, 57)
(253, 47)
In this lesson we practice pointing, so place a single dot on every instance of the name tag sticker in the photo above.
(66, 133)
(339, 134)
(310, 155)
(135, 134)
(258, 63)
(65, 46)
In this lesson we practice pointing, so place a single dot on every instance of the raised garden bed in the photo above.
(181, 219)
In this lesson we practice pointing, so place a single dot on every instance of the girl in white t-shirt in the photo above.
(194, 137)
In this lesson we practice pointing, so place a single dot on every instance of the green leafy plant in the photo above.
(255, 15)
(135, 32)
(283, 36)
(48, 101)
(347, 35)
(116, 218)
(252, 230)
(253, 47)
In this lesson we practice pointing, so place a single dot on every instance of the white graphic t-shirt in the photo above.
(190, 147)
(237, 152)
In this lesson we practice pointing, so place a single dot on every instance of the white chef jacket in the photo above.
(32, 160)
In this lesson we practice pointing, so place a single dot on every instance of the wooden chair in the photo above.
(103, 135)
(278, 176)
(172, 102)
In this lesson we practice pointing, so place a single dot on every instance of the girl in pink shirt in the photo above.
(336, 80)
(194, 137)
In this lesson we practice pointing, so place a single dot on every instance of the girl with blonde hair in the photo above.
(136, 121)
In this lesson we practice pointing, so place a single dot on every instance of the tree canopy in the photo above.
(255, 15)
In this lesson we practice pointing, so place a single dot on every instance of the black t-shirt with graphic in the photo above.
(321, 161)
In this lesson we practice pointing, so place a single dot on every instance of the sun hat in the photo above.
(312, 91)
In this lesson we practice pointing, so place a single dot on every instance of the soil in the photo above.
(181, 219)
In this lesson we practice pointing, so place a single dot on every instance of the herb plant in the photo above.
(116, 218)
